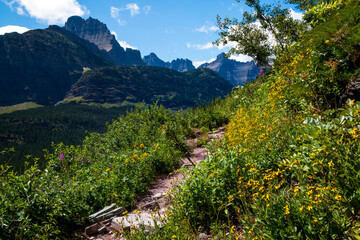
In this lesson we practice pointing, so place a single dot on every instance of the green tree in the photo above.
(261, 33)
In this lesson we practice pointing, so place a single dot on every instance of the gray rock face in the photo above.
(97, 32)
(180, 64)
(153, 60)
(237, 73)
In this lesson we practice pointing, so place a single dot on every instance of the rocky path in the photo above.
(154, 201)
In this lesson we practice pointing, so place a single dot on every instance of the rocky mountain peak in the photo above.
(237, 73)
(97, 32)
(153, 60)
(180, 64)
(221, 56)
(92, 30)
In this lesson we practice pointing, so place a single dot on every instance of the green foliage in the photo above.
(33, 130)
(253, 40)
(115, 166)
(288, 168)
(326, 58)
(130, 85)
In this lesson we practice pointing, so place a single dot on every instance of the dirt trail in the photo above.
(164, 183)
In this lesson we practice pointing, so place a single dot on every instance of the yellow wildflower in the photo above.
(287, 210)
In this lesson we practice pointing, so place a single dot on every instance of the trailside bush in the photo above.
(116, 166)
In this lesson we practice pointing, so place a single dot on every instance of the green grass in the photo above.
(18, 107)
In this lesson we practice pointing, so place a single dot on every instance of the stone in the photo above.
(102, 230)
(91, 230)
(152, 206)
(102, 211)
(137, 220)
(202, 236)
(106, 215)
(158, 196)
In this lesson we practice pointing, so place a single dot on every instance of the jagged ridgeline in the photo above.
(42, 65)
(129, 85)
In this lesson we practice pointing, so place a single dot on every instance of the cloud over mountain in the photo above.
(49, 12)
(12, 28)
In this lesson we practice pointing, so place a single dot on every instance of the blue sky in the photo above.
(170, 28)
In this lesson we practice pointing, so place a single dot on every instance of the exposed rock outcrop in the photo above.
(153, 60)
(237, 73)
(180, 64)
(97, 32)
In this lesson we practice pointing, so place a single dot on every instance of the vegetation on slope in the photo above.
(287, 169)
(18, 107)
(116, 166)
(30, 131)
(172, 89)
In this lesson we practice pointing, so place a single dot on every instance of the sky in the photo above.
(169, 28)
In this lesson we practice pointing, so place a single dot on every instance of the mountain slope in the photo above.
(97, 32)
(42, 65)
(237, 73)
(143, 83)
(180, 64)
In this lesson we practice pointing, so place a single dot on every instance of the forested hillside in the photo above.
(123, 85)
(31, 131)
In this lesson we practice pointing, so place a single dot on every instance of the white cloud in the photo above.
(114, 33)
(46, 11)
(241, 58)
(296, 15)
(206, 28)
(209, 45)
(204, 46)
(147, 9)
(114, 12)
(12, 28)
(121, 22)
(123, 44)
(133, 8)
(198, 63)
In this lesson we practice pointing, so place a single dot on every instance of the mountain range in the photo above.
(237, 73)
(180, 65)
(77, 62)
(47, 65)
